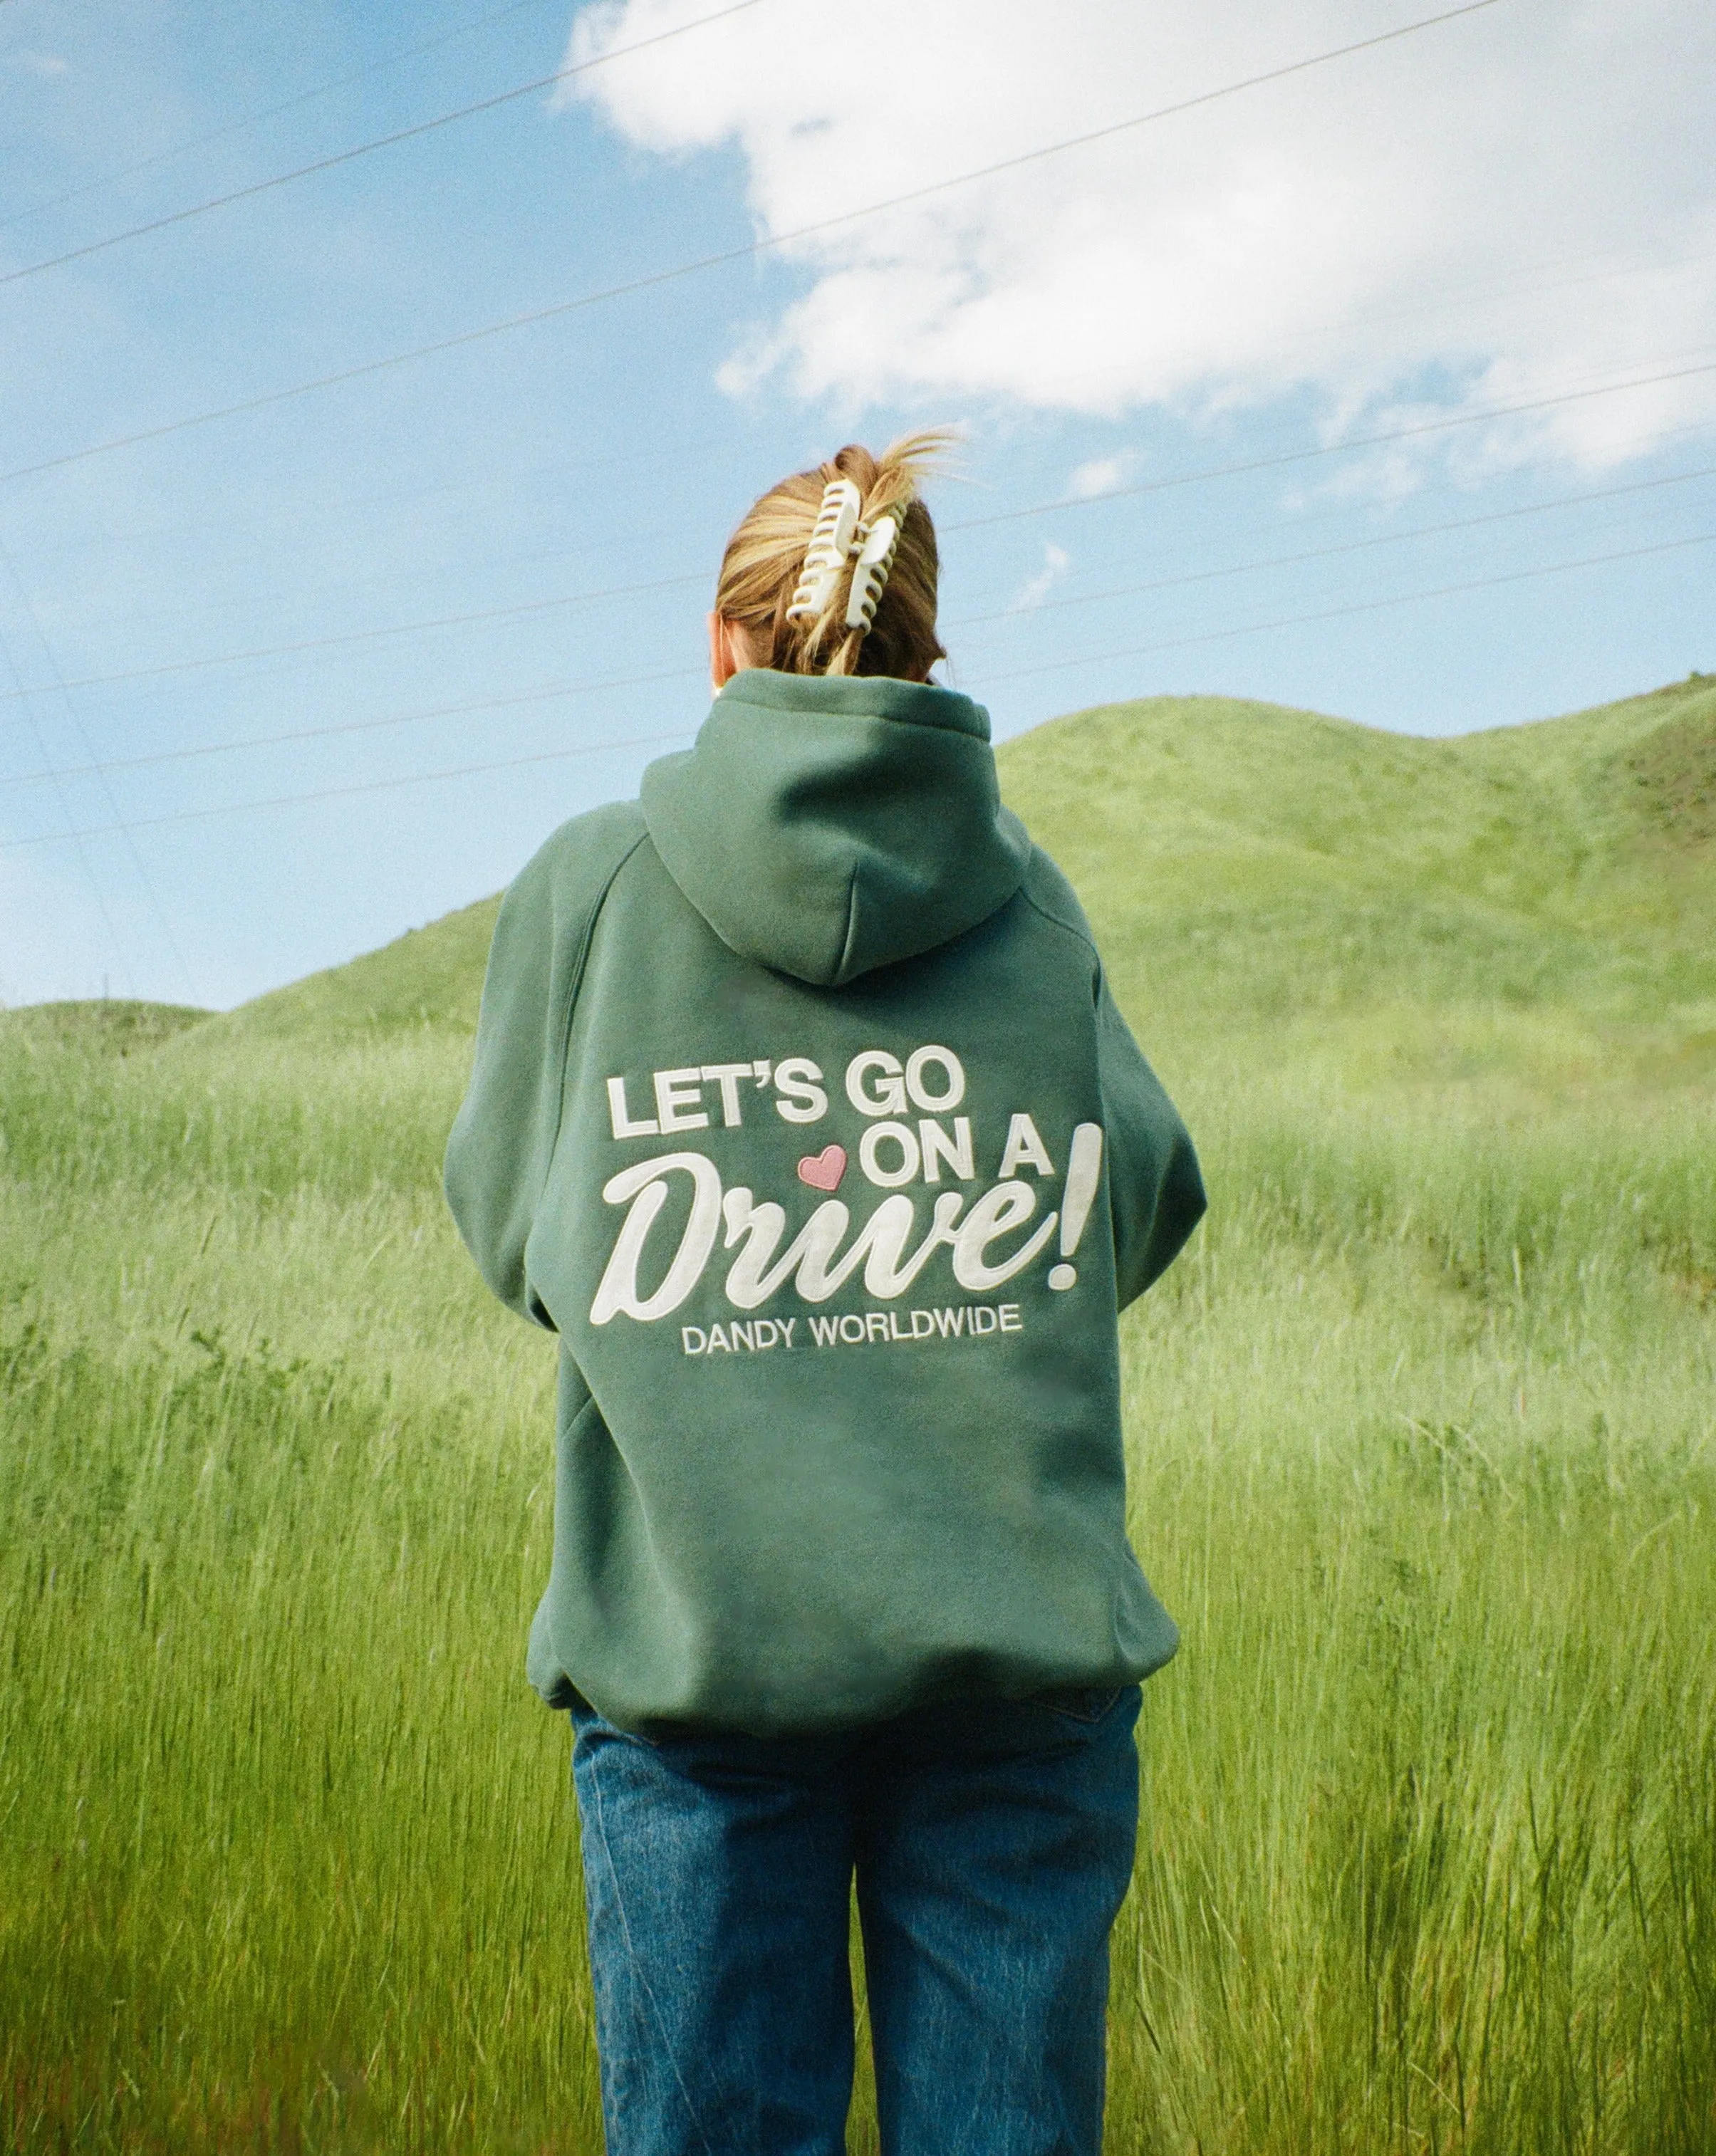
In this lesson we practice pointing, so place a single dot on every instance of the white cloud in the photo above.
(1490, 212)
(1056, 562)
(1100, 475)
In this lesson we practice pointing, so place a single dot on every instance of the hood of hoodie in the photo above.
(825, 827)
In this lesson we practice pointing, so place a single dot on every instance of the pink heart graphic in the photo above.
(823, 1170)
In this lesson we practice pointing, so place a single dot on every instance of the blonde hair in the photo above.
(765, 557)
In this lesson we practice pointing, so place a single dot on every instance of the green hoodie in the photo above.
(802, 1111)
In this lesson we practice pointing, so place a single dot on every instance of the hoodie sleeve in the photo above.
(502, 1141)
(1155, 1190)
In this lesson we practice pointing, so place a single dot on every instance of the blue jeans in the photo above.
(992, 1842)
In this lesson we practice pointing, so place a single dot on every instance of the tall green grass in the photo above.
(1428, 1460)
(1422, 1448)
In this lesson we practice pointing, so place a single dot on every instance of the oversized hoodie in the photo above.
(801, 1113)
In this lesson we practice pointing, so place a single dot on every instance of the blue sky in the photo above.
(426, 613)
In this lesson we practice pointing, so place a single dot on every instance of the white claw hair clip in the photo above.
(870, 575)
(830, 546)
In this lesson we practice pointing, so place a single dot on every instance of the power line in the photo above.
(301, 512)
(386, 580)
(1326, 553)
(366, 149)
(969, 524)
(366, 786)
(267, 112)
(1485, 290)
(559, 691)
(1339, 613)
(1013, 674)
(371, 635)
(76, 718)
(1335, 449)
(679, 454)
(71, 836)
(1432, 301)
(750, 249)
(565, 690)
(684, 451)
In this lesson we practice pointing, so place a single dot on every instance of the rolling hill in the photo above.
(1246, 866)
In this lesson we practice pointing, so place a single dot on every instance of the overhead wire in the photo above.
(73, 713)
(562, 690)
(1326, 553)
(369, 785)
(1340, 612)
(1437, 300)
(365, 149)
(706, 448)
(372, 635)
(267, 112)
(1435, 426)
(678, 453)
(763, 245)
(71, 836)
(556, 755)
(685, 452)
(1241, 468)
(1012, 674)
(1275, 462)
(557, 692)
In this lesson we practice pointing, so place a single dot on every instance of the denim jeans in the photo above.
(992, 1843)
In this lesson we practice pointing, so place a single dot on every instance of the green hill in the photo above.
(1239, 858)
(429, 977)
(115, 1025)
(1528, 911)
(1247, 866)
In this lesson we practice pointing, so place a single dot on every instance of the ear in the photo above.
(727, 652)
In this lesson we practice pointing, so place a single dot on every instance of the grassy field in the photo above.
(1423, 1435)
